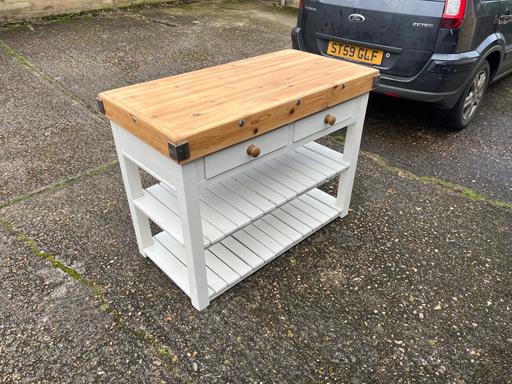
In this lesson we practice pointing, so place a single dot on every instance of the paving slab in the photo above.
(45, 137)
(52, 331)
(90, 55)
(412, 286)
(479, 157)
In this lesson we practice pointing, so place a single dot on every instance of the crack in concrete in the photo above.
(23, 60)
(60, 184)
(432, 180)
(164, 353)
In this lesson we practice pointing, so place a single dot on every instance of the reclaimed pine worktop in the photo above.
(194, 114)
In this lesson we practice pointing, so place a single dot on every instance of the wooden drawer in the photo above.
(236, 155)
(315, 123)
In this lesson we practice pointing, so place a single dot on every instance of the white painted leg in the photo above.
(187, 190)
(134, 190)
(350, 155)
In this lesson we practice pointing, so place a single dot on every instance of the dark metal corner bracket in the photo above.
(376, 81)
(179, 152)
(101, 107)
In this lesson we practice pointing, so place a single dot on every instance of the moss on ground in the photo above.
(96, 289)
(464, 191)
(60, 184)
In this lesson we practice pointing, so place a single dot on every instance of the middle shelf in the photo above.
(238, 200)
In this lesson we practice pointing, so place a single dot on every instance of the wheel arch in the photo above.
(492, 49)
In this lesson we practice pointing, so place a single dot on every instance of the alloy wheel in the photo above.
(474, 97)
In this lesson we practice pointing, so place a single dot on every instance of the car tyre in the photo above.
(469, 103)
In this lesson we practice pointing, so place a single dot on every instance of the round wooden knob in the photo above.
(330, 119)
(253, 150)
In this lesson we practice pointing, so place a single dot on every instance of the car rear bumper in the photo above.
(441, 81)
(442, 99)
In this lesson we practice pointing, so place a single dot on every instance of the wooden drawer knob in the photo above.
(330, 119)
(253, 150)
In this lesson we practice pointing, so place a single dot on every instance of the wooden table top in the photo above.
(204, 111)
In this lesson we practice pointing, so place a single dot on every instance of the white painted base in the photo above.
(226, 215)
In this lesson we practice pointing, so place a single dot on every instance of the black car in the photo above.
(440, 51)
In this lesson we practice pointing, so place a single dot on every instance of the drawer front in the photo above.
(237, 154)
(315, 123)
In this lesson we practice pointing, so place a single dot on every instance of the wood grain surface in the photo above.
(216, 107)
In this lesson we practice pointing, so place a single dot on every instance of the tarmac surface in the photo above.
(413, 286)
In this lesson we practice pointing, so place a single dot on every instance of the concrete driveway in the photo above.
(413, 286)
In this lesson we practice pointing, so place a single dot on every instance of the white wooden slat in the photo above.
(325, 151)
(318, 205)
(212, 216)
(170, 243)
(169, 265)
(328, 162)
(272, 232)
(254, 245)
(221, 222)
(282, 227)
(236, 201)
(319, 167)
(242, 252)
(305, 170)
(309, 210)
(260, 189)
(255, 198)
(160, 214)
(300, 215)
(281, 178)
(165, 197)
(230, 259)
(224, 208)
(263, 238)
(215, 283)
(325, 198)
(275, 185)
(291, 221)
(210, 233)
(220, 268)
(304, 180)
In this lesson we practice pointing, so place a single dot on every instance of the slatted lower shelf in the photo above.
(246, 250)
(235, 202)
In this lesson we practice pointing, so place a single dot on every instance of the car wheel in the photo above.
(460, 116)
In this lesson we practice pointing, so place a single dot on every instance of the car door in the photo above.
(505, 28)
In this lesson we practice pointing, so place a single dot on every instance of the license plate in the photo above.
(353, 52)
